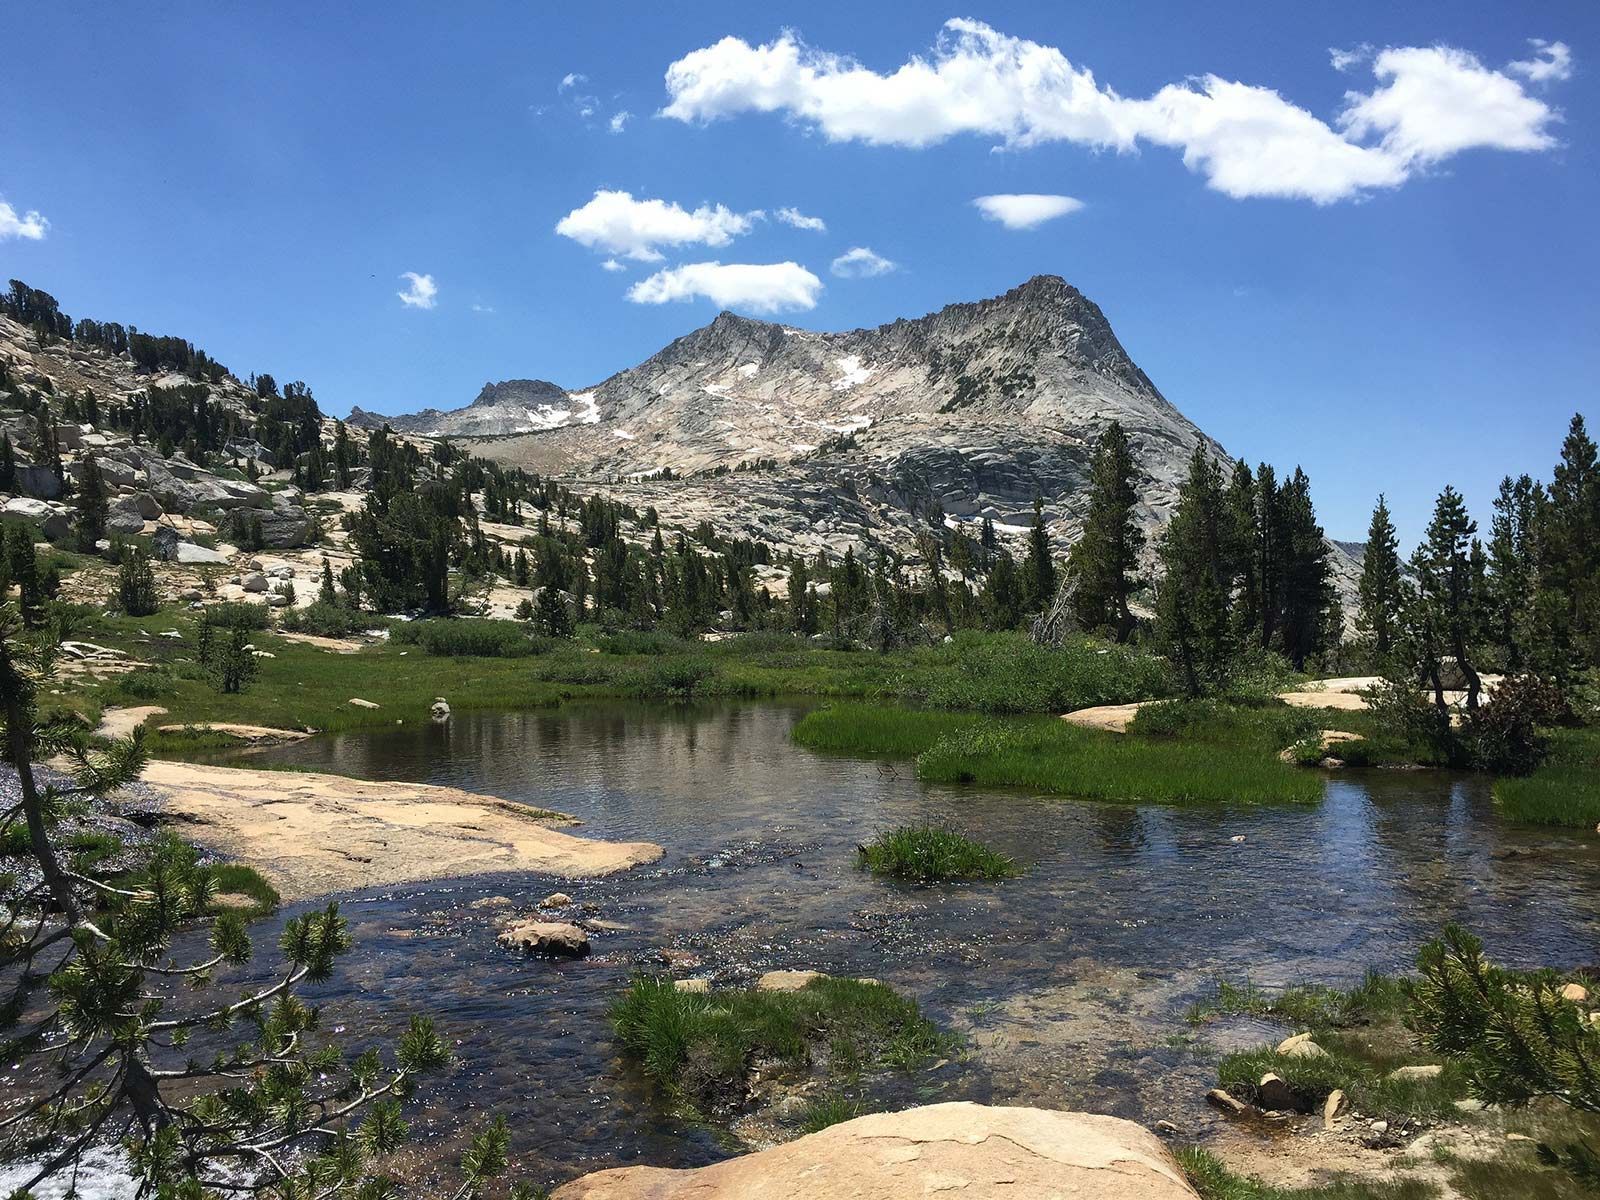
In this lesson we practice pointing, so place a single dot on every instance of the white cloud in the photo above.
(1026, 210)
(1343, 60)
(1436, 102)
(612, 264)
(793, 216)
(30, 225)
(860, 262)
(571, 80)
(483, 309)
(1244, 139)
(420, 292)
(1550, 61)
(616, 223)
(759, 287)
(620, 121)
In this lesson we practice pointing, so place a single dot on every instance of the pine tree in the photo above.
(1381, 590)
(92, 506)
(235, 664)
(1573, 549)
(136, 585)
(1514, 568)
(1241, 524)
(802, 601)
(1102, 564)
(22, 563)
(1446, 614)
(326, 593)
(551, 615)
(1307, 589)
(1038, 569)
(1192, 599)
(8, 464)
(1002, 594)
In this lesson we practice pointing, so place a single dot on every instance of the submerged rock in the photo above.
(975, 1150)
(548, 939)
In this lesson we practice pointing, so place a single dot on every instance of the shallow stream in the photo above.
(1069, 983)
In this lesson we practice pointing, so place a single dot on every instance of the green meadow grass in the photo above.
(1052, 756)
(1211, 1178)
(864, 729)
(698, 1047)
(1565, 791)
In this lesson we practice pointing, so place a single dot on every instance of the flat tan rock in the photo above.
(313, 834)
(331, 644)
(245, 733)
(120, 722)
(1112, 718)
(786, 981)
(973, 1151)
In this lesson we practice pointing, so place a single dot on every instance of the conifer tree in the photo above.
(1102, 564)
(1381, 590)
(1573, 547)
(1307, 591)
(1514, 568)
(326, 593)
(1192, 599)
(1447, 612)
(551, 615)
(91, 505)
(8, 464)
(1002, 597)
(136, 585)
(1038, 569)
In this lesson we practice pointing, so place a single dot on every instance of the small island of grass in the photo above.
(930, 854)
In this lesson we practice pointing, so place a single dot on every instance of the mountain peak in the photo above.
(519, 392)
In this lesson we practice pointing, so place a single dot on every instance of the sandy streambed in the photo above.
(313, 834)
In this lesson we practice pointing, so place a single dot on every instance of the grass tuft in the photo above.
(1565, 791)
(929, 854)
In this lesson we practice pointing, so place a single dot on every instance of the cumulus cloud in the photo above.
(1246, 140)
(571, 80)
(483, 309)
(1550, 61)
(793, 216)
(1025, 210)
(758, 287)
(30, 225)
(861, 262)
(612, 264)
(617, 224)
(620, 120)
(420, 290)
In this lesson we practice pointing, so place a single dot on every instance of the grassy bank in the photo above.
(866, 730)
(1052, 756)
(496, 665)
(1565, 791)
(700, 1048)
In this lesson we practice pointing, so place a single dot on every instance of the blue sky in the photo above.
(1386, 273)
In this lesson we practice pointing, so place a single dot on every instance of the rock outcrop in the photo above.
(975, 1151)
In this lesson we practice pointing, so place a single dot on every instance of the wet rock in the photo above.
(786, 981)
(681, 959)
(973, 1150)
(556, 900)
(546, 939)
(1229, 1104)
(439, 711)
(1275, 1094)
(1414, 1073)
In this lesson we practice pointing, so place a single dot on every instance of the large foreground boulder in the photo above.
(967, 1150)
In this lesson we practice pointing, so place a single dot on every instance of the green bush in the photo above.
(324, 620)
(1007, 673)
(928, 854)
(235, 615)
(640, 642)
(673, 678)
(471, 638)
(145, 684)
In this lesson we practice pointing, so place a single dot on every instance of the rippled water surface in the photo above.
(1069, 983)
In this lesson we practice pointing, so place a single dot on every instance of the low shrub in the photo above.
(639, 642)
(235, 614)
(325, 620)
(146, 685)
(929, 854)
(675, 678)
(472, 638)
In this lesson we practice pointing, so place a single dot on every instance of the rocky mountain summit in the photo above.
(821, 440)
(511, 406)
